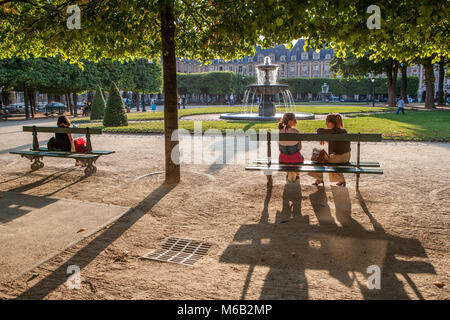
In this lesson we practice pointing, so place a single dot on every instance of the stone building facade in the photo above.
(293, 63)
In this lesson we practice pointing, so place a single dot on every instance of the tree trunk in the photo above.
(392, 70)
(75, 104)
(32, 105)
(25, 98)
(404, 82)
(69, 103)
(5, 98)
(429, 83)
(35, 101)
(170, 92)
(143, 103)
(90, 96)
(441, 83)
(138, 101)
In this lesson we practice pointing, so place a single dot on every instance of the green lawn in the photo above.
(159, 115)
(331, 103)
(415, 125)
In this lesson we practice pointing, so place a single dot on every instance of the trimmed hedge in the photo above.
(98, 105)
(115, 115)
(347, 86)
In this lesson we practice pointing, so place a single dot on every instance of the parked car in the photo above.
(41, 107)
(55, 107)
(15, 108)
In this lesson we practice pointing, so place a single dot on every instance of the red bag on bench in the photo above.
(80, 145)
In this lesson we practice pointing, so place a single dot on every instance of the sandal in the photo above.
(317, 182)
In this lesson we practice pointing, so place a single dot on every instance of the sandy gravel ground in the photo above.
(295, 241)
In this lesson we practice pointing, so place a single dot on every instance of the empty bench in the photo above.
(36, 154)
(358, 167)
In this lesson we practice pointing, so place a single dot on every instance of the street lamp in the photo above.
(373, 91)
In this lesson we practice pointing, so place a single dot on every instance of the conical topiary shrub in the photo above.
(98, 105)
(115, 114)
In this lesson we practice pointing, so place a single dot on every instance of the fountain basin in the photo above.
(256, 117)
(265, 89)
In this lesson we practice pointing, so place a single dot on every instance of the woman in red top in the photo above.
(289, 150)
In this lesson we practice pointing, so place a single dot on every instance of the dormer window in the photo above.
(328, 56)
(293, 58)
(304, 55)
(250, 59)
(316, 56)
(282, 58)
(260, 58)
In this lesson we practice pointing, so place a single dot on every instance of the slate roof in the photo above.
(278, 51)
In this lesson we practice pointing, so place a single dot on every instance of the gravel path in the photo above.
(295, 242)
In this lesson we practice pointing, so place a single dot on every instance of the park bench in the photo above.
(358, 167)
(36, 154)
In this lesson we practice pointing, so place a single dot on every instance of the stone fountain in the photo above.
(265, 96)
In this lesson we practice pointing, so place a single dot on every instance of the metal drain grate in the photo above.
(181, 251)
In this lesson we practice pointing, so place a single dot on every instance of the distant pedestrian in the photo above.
(179, 102)
(400, 105)
(231, 100)
(183, 102)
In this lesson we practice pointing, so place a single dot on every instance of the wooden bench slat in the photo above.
(57, 154)
(101, 152)
(275, 136)
(311, 163)
(62, 130)
(297, 168)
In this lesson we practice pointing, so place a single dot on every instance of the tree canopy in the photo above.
(53, 75)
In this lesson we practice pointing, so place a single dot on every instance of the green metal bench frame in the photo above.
(310, 166)
(36, 155)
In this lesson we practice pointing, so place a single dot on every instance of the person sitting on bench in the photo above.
(338, 151)
(64, 141)
(289, 150)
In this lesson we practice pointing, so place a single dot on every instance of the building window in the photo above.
(230, 68)
(260, 58)
(272, 57)
(240, 69)
(327, 68)
(316, 56)
(293, 58)
(328, 56)
(283, 58)
(292, 71)
(304, 55)
(250, 59)
(316, 68)
(304, 68)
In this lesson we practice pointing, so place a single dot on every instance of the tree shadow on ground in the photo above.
(88, 253)
(13, 206)
(42, 181)
(291, 245)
